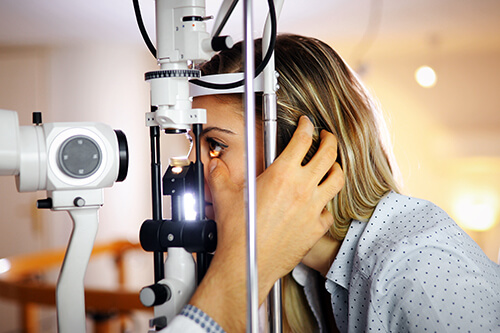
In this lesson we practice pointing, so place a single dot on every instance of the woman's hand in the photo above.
(291, 218)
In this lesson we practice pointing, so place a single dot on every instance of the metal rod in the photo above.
(251, 195)
(200, 177)
(154, 135)
(202, 260)
(269, 103)
(270, 144)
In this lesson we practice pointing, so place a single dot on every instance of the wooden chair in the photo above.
(19, 283)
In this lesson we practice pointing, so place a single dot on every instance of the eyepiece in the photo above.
(123, 155)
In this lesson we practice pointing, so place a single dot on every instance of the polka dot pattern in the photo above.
(412, 269)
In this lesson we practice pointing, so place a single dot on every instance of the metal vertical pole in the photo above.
(270, 148)
(251, 195)
(154, 134)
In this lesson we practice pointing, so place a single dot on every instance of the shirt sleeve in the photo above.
(193, 320)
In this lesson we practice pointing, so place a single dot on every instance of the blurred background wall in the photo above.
(85, 61)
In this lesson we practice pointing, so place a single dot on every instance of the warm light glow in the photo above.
(426, 76)
(189, 207)
(477, 210)
(4, 265)
(177, 170)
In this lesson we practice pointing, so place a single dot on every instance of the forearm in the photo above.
(222, 295)
(223, 292)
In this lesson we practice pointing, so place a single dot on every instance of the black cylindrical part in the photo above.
(155, 294)
(194, 236)
(199, 174)
(123, 155)
(158, 260)
(221, 43)
(37, 118)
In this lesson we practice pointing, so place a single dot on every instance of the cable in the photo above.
(142, 28)
(259, 69)
(226, 18)
(262, 65)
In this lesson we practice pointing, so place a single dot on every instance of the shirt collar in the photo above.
(340, 271)
(301, 274)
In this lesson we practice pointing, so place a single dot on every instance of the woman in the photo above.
(388, 262)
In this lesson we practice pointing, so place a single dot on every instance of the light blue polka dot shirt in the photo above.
(412, 269)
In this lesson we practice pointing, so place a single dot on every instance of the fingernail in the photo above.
(212, 165)
(310, 126)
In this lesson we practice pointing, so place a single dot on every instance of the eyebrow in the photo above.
(217, 129)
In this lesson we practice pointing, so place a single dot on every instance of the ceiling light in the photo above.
(425, 76)
(477, 210)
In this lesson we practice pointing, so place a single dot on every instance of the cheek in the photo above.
(236, 167)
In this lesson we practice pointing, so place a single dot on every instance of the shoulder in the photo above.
(412, 257)
(396, 222)
(403, 214)
(413, 235)
(400, 219)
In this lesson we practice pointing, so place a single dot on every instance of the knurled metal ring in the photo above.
(172, 73)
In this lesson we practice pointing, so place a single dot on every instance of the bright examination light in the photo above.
(177, 169)
(4, 265)
(477, 211)
(426, 76)
(189, 207)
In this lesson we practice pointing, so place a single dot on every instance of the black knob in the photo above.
(155, 294)
(79, 202)
(222, 43)
(44, 203)
(37, 118)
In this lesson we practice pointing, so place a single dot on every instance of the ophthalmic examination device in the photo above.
(182, 43)
(73, 162)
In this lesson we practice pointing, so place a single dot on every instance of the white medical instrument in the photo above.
(73, 162)
(182, 42)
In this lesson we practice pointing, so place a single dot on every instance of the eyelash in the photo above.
(215, 148)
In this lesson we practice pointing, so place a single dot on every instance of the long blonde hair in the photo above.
(316, 82)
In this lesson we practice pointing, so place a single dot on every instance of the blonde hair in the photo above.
(316, 82)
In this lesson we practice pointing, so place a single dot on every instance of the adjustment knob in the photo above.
(37, 118)
(44, 203)
(79, 202)
(155, 294)
(222, 43)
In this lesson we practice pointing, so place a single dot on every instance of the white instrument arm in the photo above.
(70, 294)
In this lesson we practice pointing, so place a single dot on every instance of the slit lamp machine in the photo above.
(74, 162)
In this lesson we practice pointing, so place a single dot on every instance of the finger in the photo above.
(324, 158)
(300, 143)
(326, 219)
(331, 185)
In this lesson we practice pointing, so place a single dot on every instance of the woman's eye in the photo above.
(215, 148)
